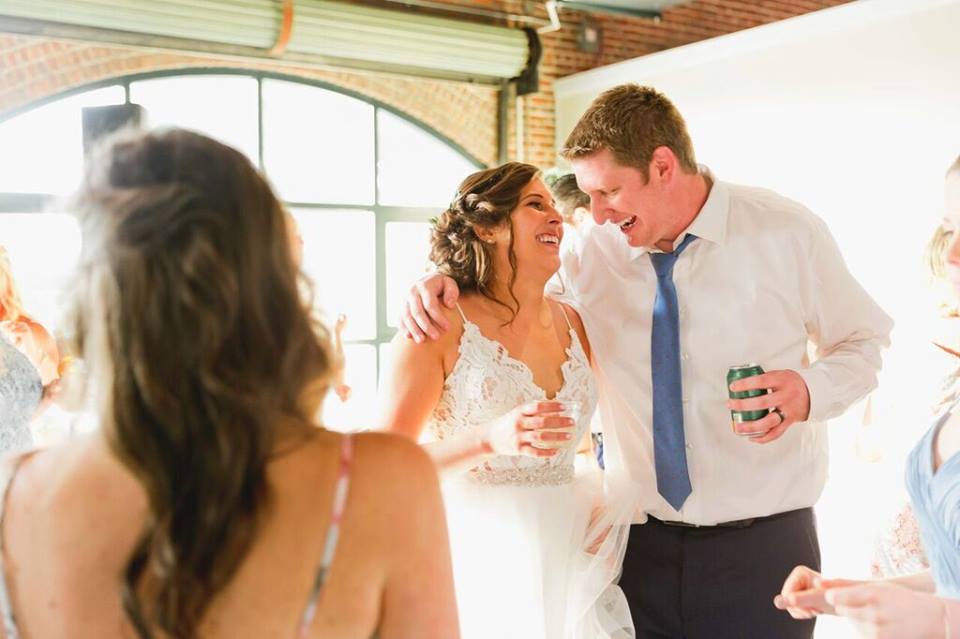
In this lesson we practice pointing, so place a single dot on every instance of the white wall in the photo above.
(854, 111)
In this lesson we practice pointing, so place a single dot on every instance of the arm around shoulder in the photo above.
(413, 383)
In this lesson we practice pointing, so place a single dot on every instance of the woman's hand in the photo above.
(596, 537)
(536, 429)
(882, 610)
(17, 333)
(804, 593)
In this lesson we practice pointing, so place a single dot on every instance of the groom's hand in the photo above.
(788, 402)
(422, 315)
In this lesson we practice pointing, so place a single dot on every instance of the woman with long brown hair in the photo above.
(209, 504)
(507, 395)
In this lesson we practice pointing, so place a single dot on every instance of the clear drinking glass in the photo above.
(571, 409)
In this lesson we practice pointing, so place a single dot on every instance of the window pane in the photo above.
(338, 255)
(44, 249)
(408, 251)
(359, 411)
(416, 168)
(223, 107)
(386, 352)
(318, 145)
(43, 148)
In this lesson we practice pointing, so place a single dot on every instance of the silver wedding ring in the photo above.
(779, 412)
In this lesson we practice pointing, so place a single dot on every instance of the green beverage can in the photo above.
(740, 372)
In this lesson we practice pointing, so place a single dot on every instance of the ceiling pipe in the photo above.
(590, 7)
(554, 15)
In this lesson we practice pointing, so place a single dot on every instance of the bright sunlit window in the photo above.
(362, 182)
(43, 148)
(224, 107)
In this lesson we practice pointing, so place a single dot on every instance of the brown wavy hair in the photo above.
(191, 317)
(484, 200)
(568, 195)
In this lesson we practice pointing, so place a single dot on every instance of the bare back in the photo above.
(73, 515)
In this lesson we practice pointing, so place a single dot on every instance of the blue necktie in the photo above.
(669, 444)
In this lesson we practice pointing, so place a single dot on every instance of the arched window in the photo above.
(361, 179)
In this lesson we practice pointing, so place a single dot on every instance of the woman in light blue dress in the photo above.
(926, 604)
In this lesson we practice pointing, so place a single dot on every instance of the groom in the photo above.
(684, 276)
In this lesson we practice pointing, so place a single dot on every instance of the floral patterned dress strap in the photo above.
(333, 535)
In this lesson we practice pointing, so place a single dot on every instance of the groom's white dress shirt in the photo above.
(764, 280)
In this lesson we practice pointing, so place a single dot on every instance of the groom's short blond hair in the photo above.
(631, 121)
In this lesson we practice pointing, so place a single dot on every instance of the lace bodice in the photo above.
(20, 390)
(486, 383)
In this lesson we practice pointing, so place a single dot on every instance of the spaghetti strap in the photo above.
(333, 534)
(462, 314)
(563, 309)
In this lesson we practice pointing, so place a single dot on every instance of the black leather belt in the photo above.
(739, 523)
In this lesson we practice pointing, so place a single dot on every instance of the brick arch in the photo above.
(34, 70)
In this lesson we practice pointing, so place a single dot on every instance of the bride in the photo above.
(505, 397)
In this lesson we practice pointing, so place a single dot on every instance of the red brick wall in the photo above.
(624, 39)
(34, 68)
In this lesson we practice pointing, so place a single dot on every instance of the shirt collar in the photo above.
(710, 223)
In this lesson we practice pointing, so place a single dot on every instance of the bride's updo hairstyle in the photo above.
(484, 200)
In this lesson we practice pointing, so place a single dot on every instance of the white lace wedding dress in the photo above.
(518, 525)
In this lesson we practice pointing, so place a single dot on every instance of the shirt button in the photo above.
(689, 446)
(685, 356)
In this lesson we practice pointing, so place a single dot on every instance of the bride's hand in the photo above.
(536, 429)
(17, 333)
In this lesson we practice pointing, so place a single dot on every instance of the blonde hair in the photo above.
(11, 306)
(937, 244)
(632, 121)
(934, 257)
(955, 167)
